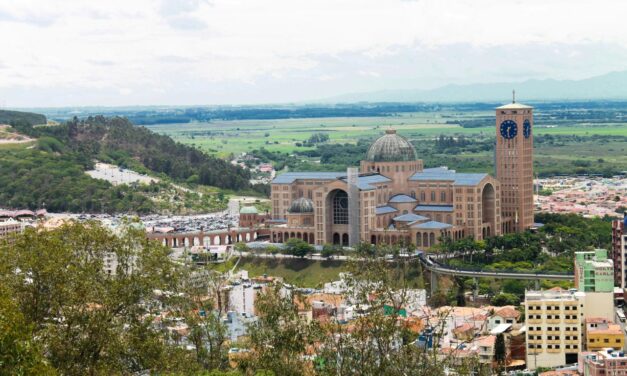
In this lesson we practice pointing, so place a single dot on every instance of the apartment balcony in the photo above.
(534, 351)
(534, 332)
(571, 321)
(535, 341)
(534, 321)
(554, 341)
(553, 350)
(553, 321)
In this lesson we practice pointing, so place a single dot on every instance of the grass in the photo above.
(299, 272)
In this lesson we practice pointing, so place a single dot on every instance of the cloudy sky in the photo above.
(184, 52)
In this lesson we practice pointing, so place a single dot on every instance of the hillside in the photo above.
(11, 117)
(53, 172)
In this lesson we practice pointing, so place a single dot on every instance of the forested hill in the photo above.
(116, 139)
(9, 117)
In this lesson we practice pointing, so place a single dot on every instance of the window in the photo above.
(340, 208)
(432, 196)
(443, 196)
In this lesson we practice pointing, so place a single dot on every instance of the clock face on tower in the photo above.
(509, 129)
(527, 128)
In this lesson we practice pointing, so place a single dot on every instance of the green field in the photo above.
(224, 138)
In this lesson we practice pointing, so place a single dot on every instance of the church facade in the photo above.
(393, 198)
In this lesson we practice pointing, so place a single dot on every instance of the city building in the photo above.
(554, 330)
(594, 272)
(602, 363)
(601, 333)
(503, 315)
(393, 198)
(619, 251)
(594, 275)
(10, 226)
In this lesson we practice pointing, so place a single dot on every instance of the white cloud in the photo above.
(217, 49)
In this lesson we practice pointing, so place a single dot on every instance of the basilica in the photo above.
(392, 198)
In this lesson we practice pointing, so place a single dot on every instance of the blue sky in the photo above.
(155, 52)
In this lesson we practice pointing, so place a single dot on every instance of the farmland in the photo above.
(562, 145)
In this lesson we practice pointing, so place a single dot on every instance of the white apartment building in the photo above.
(554, 331)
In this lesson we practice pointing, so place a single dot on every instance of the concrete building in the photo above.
(395, 199)
(601, 333)
(503, 315)
(594, 272)
(619, 251)
(9, 227)
(602, 363)
(554, 330)
(594, 275)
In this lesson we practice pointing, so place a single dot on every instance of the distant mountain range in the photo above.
(608, 86)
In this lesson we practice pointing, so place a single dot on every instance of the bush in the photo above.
(504, 299)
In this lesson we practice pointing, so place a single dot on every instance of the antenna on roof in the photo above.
(513, 96)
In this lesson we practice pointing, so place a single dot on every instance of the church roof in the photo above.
(434, 208)
(514, 106)
(444, 174)
(290, 177)
(385, 210)
(391, 147)
(401, 199)
(248, 210)
(431, 225)
(301, 205)
(410, 217)
(364, 182)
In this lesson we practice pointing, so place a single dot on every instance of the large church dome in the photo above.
(301, 205)
(391, 148)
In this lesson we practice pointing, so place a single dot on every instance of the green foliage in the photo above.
(32, 178)
(89, 322)
(504, 299)
(21, 118)
(279, 337)
(298, 247)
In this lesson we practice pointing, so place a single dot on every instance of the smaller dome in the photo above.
(301, 205)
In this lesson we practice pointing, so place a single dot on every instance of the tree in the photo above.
(89, 322)
(279, 338)
(504, 299)
(500, 352)
(327, 250)
(298, 247)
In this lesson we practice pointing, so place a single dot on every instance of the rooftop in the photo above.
(434, 208)
(385, 210)
(401, 198)
(248, 210)
(444, 174)
(514, 106)
(391, 147)
(431, 225)
(410, 217)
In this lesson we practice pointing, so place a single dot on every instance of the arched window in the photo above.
(443, 196)
(340, 208)
(413, 194)
(432, 196)
(422, 196)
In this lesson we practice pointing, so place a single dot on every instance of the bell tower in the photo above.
(514, 164)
